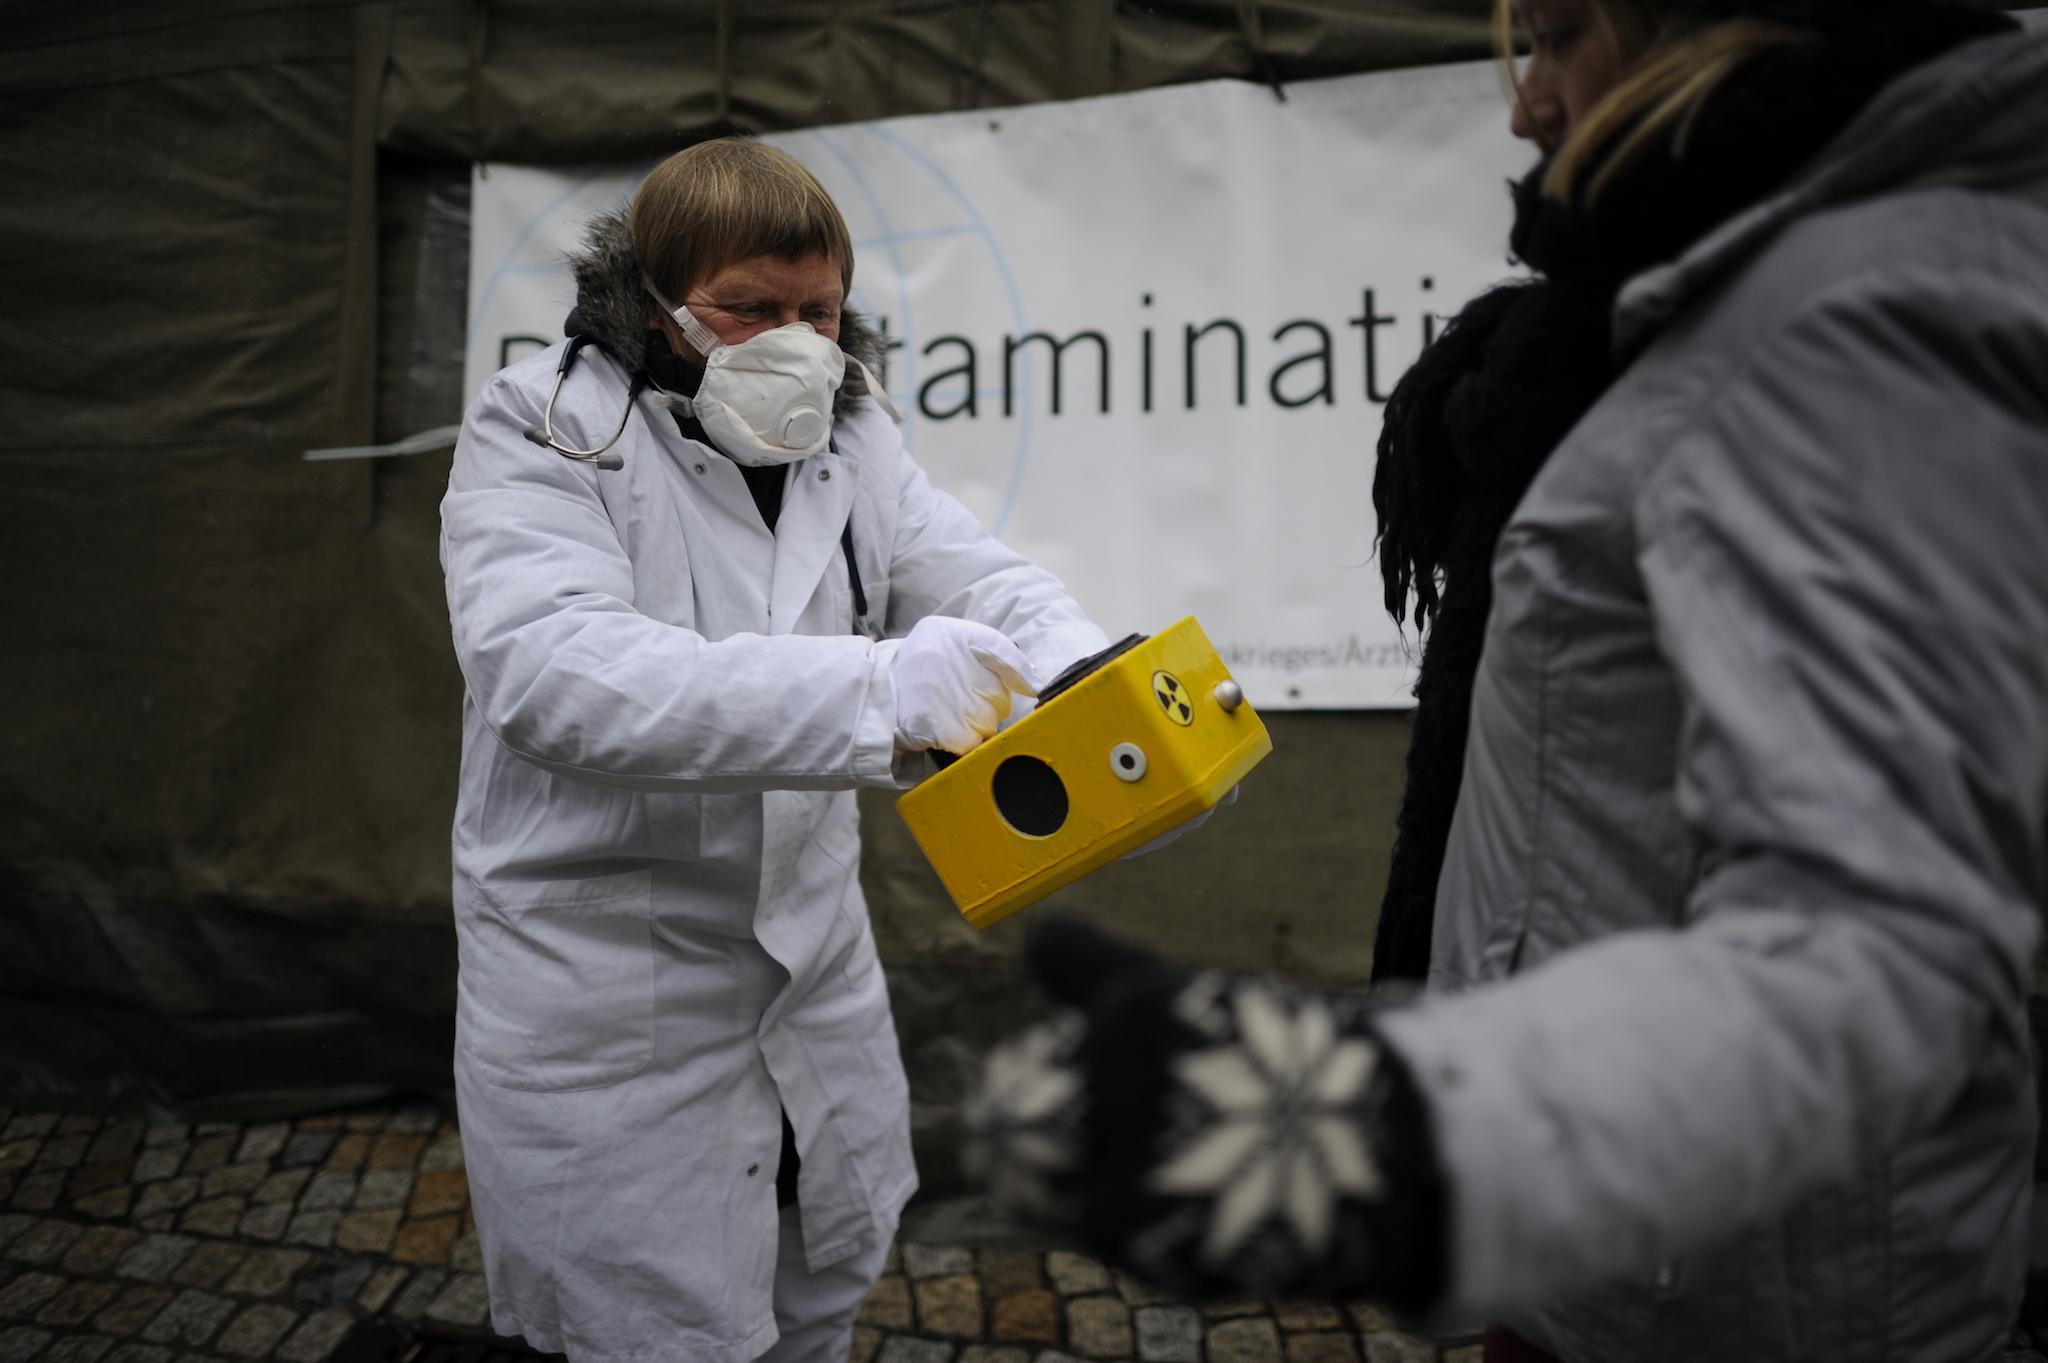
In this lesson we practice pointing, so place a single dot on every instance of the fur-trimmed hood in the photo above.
(612, 303)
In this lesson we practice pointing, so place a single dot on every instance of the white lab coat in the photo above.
(661, 930)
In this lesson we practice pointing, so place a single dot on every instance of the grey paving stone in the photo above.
(936, 1261)
(171, 1195)
(191, 1319)
(414, 1119)
(29, 1124)
(329, 1191)
(233, 1180)
(313, 1228)
(267, 1272)
(110, 1205)
(1219, 1308)
(165, 1133)
(78, 1303)
(1398, 1348)
(1004, 1270)
(1099, 1327)
(44, 1243)
(133, 1309)
(466, 1255)
(77, 1124)
(1246, 1340)
(28, 1294)
(209, 1264)
(266, 1223)
(208, 1153)
(1074, 1274)
(1307, 1315)
(993, 1353)
(368, 1232)
(1138, 1294)
(382, 1284)
(115, 1142)
(21, 1343)
(261, 1144)
(99, 1249)
(38, 1192)
(160, 1162)
(444, 1153)
(381, 1189)
(257, 1330)
(140, 1353)
(216, 1129)
(888, 1303)
(949, 1306)
(12, 1224)
(284, 1186)
(78, 1349)
(219, 1216)
(902, 1349)
(1053, 1356)
(1169, 1334)
(462, 1301)
(316, 1337)
(307, 1148)
(62, 1152)
(87, 1179)
(1325, 1346)
(153, 1260)
(332, 1281)
(1366, 1317)
(419, 1294)
(19, 1153)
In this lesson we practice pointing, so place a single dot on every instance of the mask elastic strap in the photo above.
(699, 335)
(694, 331)
(875, 389)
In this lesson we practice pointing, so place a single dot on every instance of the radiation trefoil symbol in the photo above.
(1172, 698)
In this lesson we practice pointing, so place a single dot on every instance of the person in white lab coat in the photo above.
(682, 655)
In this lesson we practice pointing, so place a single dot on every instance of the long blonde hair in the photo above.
(1671, 67)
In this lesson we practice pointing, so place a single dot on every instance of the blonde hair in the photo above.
(726, 200)
(1671, 69)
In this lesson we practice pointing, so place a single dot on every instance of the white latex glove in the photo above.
(1187, 826)
(953, 680)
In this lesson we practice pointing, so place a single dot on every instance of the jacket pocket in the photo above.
(563, 994)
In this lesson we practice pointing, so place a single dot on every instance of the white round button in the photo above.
(1127, 760)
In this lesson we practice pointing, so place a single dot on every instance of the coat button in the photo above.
(700, 466)
(753, 1169)
(824, 475)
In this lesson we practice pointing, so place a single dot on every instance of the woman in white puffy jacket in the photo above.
(682, 655)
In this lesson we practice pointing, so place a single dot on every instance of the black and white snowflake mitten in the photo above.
(1217, 1134)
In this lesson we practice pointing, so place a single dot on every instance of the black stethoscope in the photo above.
(543, 435)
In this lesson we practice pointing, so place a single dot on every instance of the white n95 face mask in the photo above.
(767, 400)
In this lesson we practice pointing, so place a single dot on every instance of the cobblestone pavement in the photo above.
(131, 1242)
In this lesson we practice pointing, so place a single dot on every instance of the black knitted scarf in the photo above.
(1470, 424)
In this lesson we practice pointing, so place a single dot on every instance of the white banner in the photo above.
(1146, 338)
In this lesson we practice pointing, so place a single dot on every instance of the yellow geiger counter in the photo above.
(1123, 746)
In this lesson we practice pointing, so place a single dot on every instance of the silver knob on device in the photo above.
(1229, 695)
